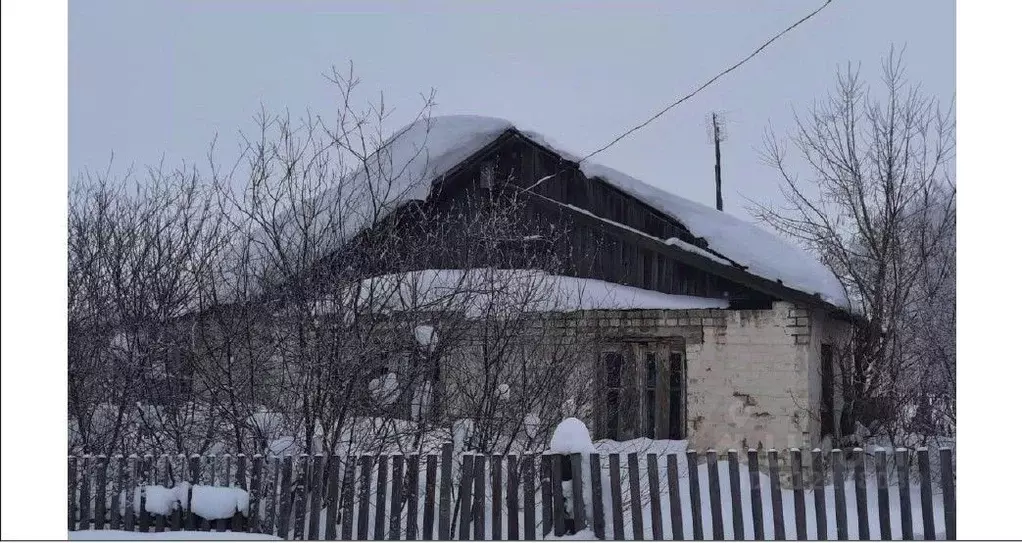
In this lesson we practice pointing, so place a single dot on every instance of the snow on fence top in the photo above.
(424, 151)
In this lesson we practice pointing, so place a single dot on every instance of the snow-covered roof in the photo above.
(499, 292)
(426, 150)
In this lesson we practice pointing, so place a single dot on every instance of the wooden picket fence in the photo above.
(515, 500)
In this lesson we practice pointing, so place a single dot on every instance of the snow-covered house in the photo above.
(704, 327)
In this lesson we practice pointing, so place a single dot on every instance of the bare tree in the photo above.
(880, 211)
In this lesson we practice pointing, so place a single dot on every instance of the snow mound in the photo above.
(581, 535)
(160, 500)
(571, 436)
(218, 502)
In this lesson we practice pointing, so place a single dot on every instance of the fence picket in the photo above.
(479, 499)
(116, 518)
(444, 528)
(655, 513)
(284, 512)
(596, 476)
(883, 496)
(412, 498)
(546, 494)
(255, 494)
(366, 478)
(512, 497)
(129, 494)
(273, 493)
(84, 496)
(674, 497)
(861, 504)
(557, 493)
(716, 513)
(177, 515)
(756, 492)
(529, 496)
(147, 478)
(926, 493)
(99, 512)
(496, 522)
(837, 466)
(430, 502)
(904, 495)
(193, 478)
(72, 495)
(634, 495)
(301, 481)
(396, 493)
(316, 497)
(734, 476)
(380, 519)
(221, 477)
(348, 497)
(775, 496)
(947, 483)
(819, 499)
(695, 497)
(616, 503)
(162, 478)
(578, 508)
(799, 493)
(465, 497)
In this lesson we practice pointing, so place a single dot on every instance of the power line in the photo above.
(707, 83)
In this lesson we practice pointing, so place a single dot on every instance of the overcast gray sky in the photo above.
(152, 79)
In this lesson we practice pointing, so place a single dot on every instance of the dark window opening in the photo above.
(676, 396)
(651, 410)
(827, 396)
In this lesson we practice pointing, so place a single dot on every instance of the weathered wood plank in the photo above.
(116, 517)
(926, 493)
(241, 481)
(635, 496)
(512, 497)
(756, 493)
(529, 496)
(674, 497)
(695, 497)
(819, 498)
(735, 480)
(798, 490)
(444, 528)
(284, 509)
(428, 512)
(194, 470)
(578, 512)
(397, 479)
(223, 463)
(380, 518)
(616, 503)
(412, 498)
(465, 497)
(99, 511)
(72, 492)
(655, 513)
(837, 466)
(255, 494)
(716, 512)
(775, 496)
(84, 494)
(883, 494)
(861, 504)
(366, 479)
(301, 479)
(148, 477)
(333, 492)
(557, 493)
(947, 483)
(596, 476)
(904, 493)
(348, 497)
(273, 493)
(496, 488)
(315, 492)
(479, 498)
(546, 494)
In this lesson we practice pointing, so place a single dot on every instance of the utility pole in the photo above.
(716, 168)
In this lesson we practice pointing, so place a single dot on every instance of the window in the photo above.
(651, 407)
(613, 363)
(676, 419)
(827, 396)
